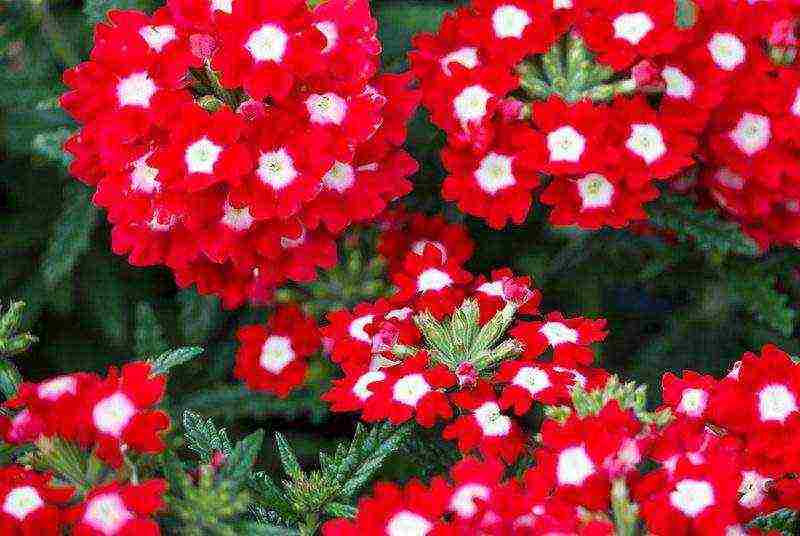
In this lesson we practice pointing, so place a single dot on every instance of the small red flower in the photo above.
(570, 338)
(272, 357)
(30, 503)
(119, 510)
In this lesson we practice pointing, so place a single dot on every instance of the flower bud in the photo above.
(252, 110)
(517, 292)
(467, 374)
(202, 46)
(646, 76)
(511, 109)
(783, 33)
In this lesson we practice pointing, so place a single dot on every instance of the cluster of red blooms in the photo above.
(234, 141)
(604, 158)
(110, 416)
(727, 456)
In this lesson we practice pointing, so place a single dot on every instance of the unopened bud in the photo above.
(783, 33)
(467, 374)
(217, 459)
(646, 75)
(252, 110)
(511, 109)
(517, 292)
(202, 46)
(385, 339)
(210, 103)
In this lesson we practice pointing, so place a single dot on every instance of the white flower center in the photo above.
(463, 500)
(268, 43)
(753, 489)
(558, 333)
(433, 279)
(646, 142)
(693, 402)
(574, 466)
(222, 5)
(776, 402)
(357, 326)
(728, 178)
(679, 86)
(157, 225)
(577, 377)
(493, 288)
(407, 523)
(361, 387)
(288, 242)
(112, 414)
(107, 513)
(595, 191)
(276, 354)
(276, 168)
(491, 421)
(143, 177)
(326, 109)
(419, 246)
(238, 219)
(752, 133)
(727, 51)
(202, 155)
(22, 501)
(57, 387)
(331, 33)
(633, 27)
(495, 173)
(795, 109)
(157, 37)
(692, 497)
(510, 21)
(565, 144)
(340, 177)
(470, 104)
(466, 56)
(410, 389)
(532, 379)
(563, 4)
(136, 90)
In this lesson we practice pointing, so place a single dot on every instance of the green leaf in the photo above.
(239, 464)
(288, 459)
(705, 228)
(71, 235)
(785, 521)
(685, 13)
(49, 145)
(199, 316)
(149, 340)
(755, 289)
(10, 378)
(204, 438)
(258, 529)
(340, 510)
(399, 20)
(172, 358)
(96, 10)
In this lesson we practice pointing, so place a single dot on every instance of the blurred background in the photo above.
(687, 296)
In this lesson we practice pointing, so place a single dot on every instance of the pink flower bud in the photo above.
(783, 33)
(467, 374)
(217, 459)
(252, 110)
(385, 338)
(516, 291)
(202, 45)
(645, 74)
(511, 109)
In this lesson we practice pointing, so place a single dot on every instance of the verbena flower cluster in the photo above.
(114, 418)
(233, 141)
(592, 104)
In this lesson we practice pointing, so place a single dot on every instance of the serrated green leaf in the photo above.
(288, 459)
(204, 438)
(754, 288)
(149, 340)
(71, 234)
(239, 464)
(685, 13)
(172, 358)
(340, 510)
(259, 529)
(784, 520)
(10, 378)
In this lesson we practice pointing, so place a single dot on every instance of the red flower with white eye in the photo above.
(483, 426)
(412, 389)
(496, 184)
(204, 149)
(265, 47)
(433, 284)
(412, 510)
(688, 395)
(576, 135)
(350, 342)
(516, 28)
(570, 338)
(582, 454)
(30, 503)
(622, 32)
(352, 48)
(651, 145)
(118, 414)
(119, 510)
(528, 382)
(414, 231)
(352, 392)
(698, 499)
(473, 484)
(272, 357)
(504, 287)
